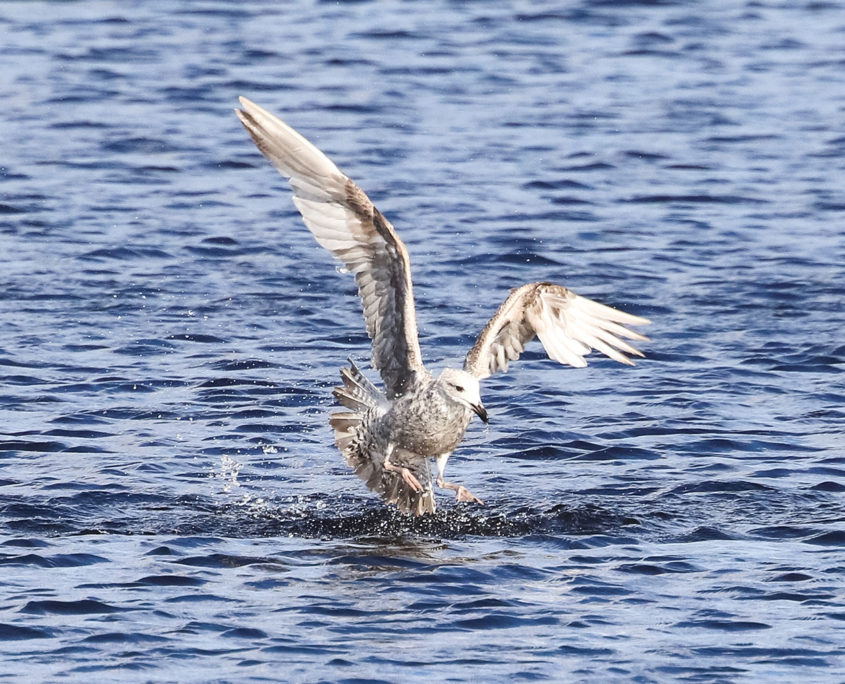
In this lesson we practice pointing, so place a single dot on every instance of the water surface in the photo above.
(171, 504)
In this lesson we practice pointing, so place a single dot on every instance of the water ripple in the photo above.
(171, 503)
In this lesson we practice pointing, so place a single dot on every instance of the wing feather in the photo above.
(569, 327)
(344, 221)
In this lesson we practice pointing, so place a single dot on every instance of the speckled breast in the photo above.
(428, 428)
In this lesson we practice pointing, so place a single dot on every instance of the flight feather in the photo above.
(569, 327)
(344, 221)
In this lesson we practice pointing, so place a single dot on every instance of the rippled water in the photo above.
(171, 504)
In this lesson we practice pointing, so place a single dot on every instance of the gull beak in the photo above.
(480, 411)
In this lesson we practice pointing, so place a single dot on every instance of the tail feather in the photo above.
(357, 392)
(395, 490)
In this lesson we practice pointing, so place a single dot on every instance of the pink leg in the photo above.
(461, 492)
(409, 478)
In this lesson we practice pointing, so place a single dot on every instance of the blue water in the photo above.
(172, 507)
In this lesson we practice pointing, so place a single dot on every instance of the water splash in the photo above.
(228, 473)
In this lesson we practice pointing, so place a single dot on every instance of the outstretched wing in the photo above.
(345, 222)
(568, 325)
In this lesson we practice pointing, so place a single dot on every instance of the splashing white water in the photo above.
(228, 473)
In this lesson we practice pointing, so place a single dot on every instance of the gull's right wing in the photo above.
(345, 222)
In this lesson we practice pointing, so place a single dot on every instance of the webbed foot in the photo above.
(411, 480)
(461, 492)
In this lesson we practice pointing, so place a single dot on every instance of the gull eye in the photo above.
(459, 388)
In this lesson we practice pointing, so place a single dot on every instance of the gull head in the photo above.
(463, 388)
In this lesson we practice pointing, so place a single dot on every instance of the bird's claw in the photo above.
(411, 480)
(463, 494)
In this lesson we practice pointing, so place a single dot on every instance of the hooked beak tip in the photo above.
(481, 412)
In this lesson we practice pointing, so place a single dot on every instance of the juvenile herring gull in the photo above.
(388, 437)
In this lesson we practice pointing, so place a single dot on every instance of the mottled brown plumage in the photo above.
(389, 438)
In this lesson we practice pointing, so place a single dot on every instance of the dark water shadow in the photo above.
(358, 518)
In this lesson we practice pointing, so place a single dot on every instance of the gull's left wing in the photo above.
(568, 325)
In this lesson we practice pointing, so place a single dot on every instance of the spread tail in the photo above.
(357, 392)
(360, 395)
